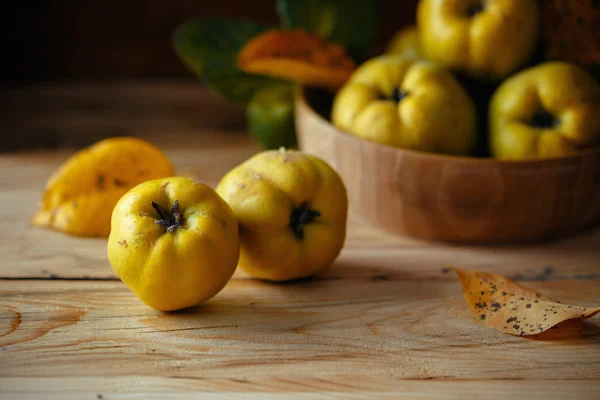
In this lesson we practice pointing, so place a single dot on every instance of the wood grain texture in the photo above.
(147, 387)
(40, 253)
(459, 199)
(387, 320)
(320, 334)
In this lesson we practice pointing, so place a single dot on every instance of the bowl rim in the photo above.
(301, 97)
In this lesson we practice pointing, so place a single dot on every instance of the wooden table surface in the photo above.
(387, 319)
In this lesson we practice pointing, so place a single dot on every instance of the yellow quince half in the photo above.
(174, 242)
(292, 209)
(550, 110)
(405, 103)
(80, 195)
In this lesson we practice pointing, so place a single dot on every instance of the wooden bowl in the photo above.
(450, 198)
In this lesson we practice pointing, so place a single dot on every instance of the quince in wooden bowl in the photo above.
(454, 198)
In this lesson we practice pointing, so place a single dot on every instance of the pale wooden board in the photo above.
(387, 318)
(331, 335)
(149, 387)
(28, 252)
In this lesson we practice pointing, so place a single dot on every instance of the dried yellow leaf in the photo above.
(82, 192)
(508, 307)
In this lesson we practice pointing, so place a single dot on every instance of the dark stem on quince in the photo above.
(397, 96)
(301, 216)
(172, 220)
(544, 120)
(475, 9)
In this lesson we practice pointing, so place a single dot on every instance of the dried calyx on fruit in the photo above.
(170, 220)
(300, 216)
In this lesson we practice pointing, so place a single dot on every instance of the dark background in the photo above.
(72, 71)
(113, 39)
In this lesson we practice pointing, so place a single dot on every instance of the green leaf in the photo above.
(349, 23)
(209, 48)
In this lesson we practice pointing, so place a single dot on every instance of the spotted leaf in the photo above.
(508, 307)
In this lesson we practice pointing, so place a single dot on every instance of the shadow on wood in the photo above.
(573, 331)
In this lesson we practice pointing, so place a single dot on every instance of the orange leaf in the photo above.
(298, 56)
(502, 304)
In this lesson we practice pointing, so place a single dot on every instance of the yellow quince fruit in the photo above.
(174, 242)
(406, 43)
(550, 110)
(487, 40)
(291, 208)
(411, 104)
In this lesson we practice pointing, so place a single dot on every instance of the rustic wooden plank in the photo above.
(80, 113)
(39, 253)
(322, 333)
(115, 388)
(388, 317)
